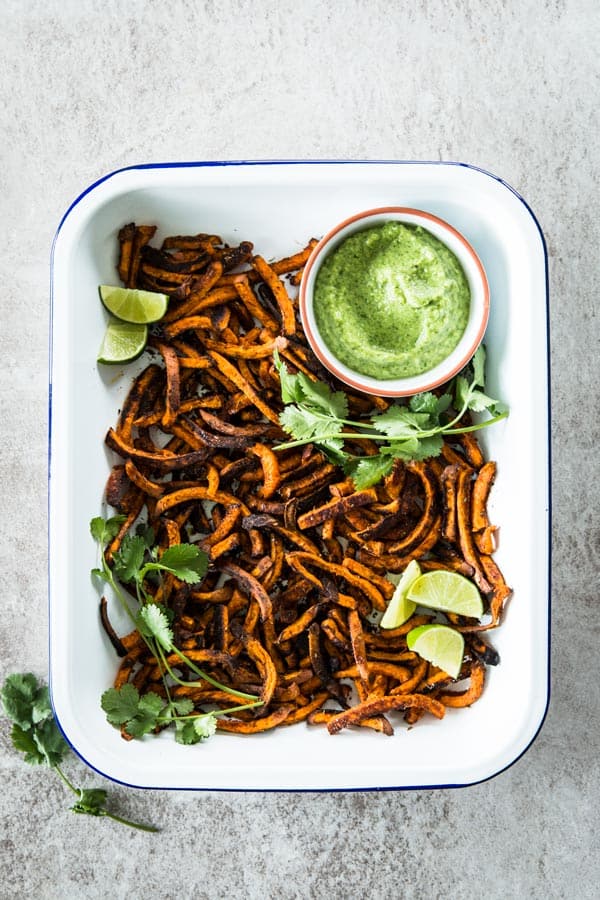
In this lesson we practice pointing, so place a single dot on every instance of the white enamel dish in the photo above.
(279, 206)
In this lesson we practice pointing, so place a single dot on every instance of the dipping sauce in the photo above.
(391, 301)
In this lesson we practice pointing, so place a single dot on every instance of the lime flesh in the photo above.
(447, 592)
(133, 305)
(123, 342)
(400, 608)
(440, 645)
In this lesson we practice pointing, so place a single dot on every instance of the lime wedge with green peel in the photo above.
(400, 608)
(440, 645)
(447, 592)
(132, 305)
(123, 342)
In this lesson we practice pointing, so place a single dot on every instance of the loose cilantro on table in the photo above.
(35, 734)
(137, 560)
(316, 414)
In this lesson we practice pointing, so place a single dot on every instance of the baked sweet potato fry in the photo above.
(282, 299)
(298, 559)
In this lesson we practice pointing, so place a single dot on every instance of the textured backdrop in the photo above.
(512, 87)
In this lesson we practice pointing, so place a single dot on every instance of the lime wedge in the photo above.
(440, 645)
(400, 608)
(448, 592)
(123, 342)
(131, 305)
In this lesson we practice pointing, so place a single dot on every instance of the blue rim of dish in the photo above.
(315, 162)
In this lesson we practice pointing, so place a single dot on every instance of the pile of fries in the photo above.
(298, 557)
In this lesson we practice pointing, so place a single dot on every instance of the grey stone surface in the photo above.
(510, 86)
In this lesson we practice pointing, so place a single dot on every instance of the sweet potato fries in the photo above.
(298, 556)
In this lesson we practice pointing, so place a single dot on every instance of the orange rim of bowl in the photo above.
(329, 363)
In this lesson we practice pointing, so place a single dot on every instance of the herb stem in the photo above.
(386, 438)
(138, 825)
(158, 653)
(104, 812)
(465, 429)
(121, 598)
(65, 779)
(203, 675)
(232, 709)
(117, 590)
(345, 435)
(215, 712)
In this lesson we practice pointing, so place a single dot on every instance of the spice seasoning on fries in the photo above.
(297, 552)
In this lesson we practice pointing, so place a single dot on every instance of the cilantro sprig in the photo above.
(139, 715)
(135, 563)
(316, 414)
(35, 733)
(137, 557)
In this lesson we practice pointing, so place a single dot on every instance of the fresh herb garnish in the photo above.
(134, 562)
(35, 734)
(139, 715)
(316, 414)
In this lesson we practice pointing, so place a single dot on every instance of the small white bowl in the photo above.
(478, 312)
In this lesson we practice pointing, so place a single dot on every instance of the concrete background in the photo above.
(509, 86)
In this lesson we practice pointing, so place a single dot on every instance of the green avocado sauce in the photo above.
(391, 301)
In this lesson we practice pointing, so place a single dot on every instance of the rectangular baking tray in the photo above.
(278, 206)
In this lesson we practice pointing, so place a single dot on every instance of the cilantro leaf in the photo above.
(332, 449)
(478, 366)
(120, 704)
(129, 557)
(50, 741)
(124, 706)
(293, 420)
(402, 449)
(313, 395)
(146, 532)
(113, 526)
(429, 403)
(425, 448)
(443, 403)
(467, 393)
(291, 392)
(98, 529)
(177, 708)
(191, 731)
(104, 530)
(91, 802)
(34, 732)
(206, 725)
(152, 622)
(425, 402)
(320, 397)
(150, 704)
(23, 741)
(368, 470)
(400, 422)
(304, 424)
(18, 697)
(186, 561)
(462, 392)
(41, 709)
(478, 402)
(182, 707)
(185, 733)
(149, 709)
(98, 573)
